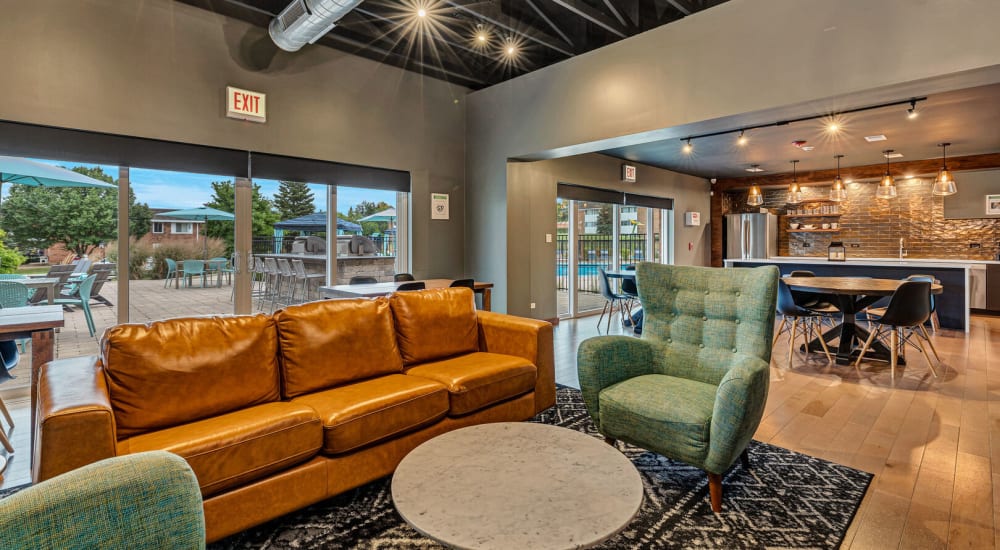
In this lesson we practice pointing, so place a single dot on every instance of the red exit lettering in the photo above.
(248, 103)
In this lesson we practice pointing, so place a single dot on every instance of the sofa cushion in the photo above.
(477, 380)
(332, 342)
(434, 324)
(637, 410)
(172, 372)
(236, 448)
(364, 412)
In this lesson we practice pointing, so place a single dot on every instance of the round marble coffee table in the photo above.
(517, 485)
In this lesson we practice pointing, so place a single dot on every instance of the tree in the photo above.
(605, 221)
(78, 217)
(293, 199)
(140, 216)
(224, 198)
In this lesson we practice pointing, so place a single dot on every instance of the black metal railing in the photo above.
(594, 252)
(385, 245)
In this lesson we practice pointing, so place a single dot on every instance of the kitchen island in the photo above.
(963, 286)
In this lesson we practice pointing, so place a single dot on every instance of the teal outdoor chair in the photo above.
(171, 271)
(694, 387)
(82, 299)
(142, 500)
(192, 269)
(13, 293)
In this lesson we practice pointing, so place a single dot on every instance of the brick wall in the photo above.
(876, 225)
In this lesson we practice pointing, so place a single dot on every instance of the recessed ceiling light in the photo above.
(754, 168)
(833, 127)
(879, 137)
(893, 155)
(807, 147)
(421, 12)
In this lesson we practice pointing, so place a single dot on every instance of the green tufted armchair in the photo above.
(694, 387)
(141, 500)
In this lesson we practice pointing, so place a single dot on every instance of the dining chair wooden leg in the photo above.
(822, 342)
(601, 318)
(931, 344)
(777, 333)
(791, 340)
(935, 322)
(916, 342)
(867, 344)
(6, 414)
(5, 441)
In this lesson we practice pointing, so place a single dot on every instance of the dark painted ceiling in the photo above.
(969, 119)
(444, 44)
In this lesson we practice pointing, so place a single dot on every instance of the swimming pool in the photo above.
(584, 270)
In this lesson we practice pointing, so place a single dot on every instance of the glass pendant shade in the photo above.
(755, 198)
(944, 184)
(838, 192)
(794, 194)
(886, 188)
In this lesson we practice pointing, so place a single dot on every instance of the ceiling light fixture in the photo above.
(481, 36)
(944, 183)
(742, 140)
(794, 191)
(835, 117)
(755, 197)
(421, 12)
(912, 112)
(833, 127)
(838, 192)
(688, 148)
(886, 187)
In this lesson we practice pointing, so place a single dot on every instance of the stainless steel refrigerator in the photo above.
(751, 236)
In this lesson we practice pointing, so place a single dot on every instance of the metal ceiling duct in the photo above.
(306, 21)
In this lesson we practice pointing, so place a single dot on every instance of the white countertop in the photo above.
(916, 262)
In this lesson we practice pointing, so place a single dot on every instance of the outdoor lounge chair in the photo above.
(82, 299)
(103, 272)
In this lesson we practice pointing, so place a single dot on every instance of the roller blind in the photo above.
(269, 166)
(594, 194)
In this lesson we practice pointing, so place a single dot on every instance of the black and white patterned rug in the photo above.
(786, 500)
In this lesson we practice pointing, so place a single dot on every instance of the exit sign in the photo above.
(628, 173)
(246, 105)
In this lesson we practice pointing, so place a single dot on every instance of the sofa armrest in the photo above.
(527, 338)
(603, 361)
(74, 424)
(739, 407)
(145, 500)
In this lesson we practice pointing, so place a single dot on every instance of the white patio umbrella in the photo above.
(36, 174)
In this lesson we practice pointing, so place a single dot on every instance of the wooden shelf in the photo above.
(814, 230)
(811, 215)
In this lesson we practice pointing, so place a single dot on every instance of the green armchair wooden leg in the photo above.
(715, 491)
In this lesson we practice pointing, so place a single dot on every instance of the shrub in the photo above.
(10, 259)
(147, 258)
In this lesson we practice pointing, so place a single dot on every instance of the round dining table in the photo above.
(851, 295)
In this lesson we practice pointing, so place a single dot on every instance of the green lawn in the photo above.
(33, 269)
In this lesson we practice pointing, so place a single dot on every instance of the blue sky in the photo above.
(178, 190)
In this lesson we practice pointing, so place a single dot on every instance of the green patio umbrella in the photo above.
(387, 215)
(37, 174)
(202, 213)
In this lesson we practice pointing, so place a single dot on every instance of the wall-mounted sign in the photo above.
(692, 218)
(992, 205)
(628, 173)
(246, 105)
(439, 206)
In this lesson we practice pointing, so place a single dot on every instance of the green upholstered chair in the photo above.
(143, 500)
(693, 388)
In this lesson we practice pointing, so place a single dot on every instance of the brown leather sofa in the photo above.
(275, 412)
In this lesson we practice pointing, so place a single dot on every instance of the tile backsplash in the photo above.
(871, 228)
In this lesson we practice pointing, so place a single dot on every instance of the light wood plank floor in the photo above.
(933, 444)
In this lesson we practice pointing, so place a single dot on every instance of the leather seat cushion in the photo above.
(332, 342)
(478, 380)
(172, 372)
(434, 324)
(236, 448)
(667, 414)
(364, 412)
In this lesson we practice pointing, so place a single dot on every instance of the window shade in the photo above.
(594, 194)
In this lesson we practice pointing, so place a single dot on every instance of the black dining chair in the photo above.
(362, 280)
(466, 283)
(820, 303)
(402, 277)
(791, 315)
(908, 309)
(418, 285)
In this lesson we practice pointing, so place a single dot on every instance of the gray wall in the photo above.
(969, 200)
(158, 68)
(531, 213)
(796, 56)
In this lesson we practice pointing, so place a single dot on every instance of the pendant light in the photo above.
(944, 183)
(755, 197)
(838, 192)
(794, 191)
(886, 187)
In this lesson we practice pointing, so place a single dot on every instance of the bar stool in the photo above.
(286, 282)
(270, 282)
(305, 278)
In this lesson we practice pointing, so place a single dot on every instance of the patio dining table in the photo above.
(374, 290)
(48, 283)
(853, 295)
